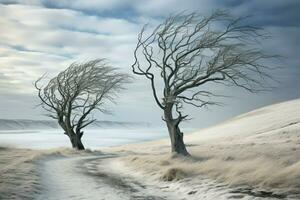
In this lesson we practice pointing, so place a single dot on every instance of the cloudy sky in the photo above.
(39, 36)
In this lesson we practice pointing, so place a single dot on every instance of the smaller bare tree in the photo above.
(72, 96)
(189, 51)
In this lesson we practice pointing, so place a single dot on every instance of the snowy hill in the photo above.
(264, 121)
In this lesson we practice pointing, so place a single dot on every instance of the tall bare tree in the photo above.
(189, 51)
(76, 92)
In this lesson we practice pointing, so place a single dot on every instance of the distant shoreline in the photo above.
(26, 124)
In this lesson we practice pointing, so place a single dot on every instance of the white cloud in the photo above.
(37, 40)
(88, 4)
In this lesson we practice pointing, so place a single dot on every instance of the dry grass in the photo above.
(19, 176)
(263, 167)
(173, 174)
(264, 162)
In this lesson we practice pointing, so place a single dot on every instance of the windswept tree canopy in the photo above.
(189, 51)
(76, 92)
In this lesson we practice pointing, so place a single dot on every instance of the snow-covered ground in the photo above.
(68, 179)
(80, 178)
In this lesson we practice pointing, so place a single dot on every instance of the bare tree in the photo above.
(76, 92)
(188, 51)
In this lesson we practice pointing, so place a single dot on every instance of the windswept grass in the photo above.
(19, 173)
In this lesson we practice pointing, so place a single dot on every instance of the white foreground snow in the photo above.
(79, 178)
(65, 178)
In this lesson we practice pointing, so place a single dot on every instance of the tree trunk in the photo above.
(78, 145)
(76, 141)
(176, 136)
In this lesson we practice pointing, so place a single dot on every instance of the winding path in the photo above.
(68, 178)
